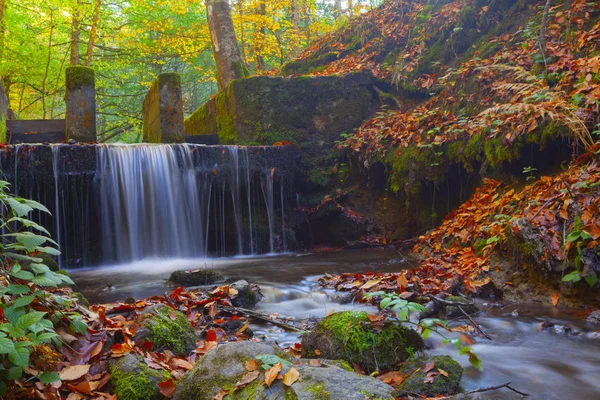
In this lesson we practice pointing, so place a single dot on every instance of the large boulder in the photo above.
(427, 377)
(132, 379)
(166, 329)
(223, 367)
(199, 277)
(351, 337)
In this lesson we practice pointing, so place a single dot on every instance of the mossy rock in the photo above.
(132, 379)
(221, 368)
(195, 278)
(467, 305)
(248, 295)
(349, 336)
(441, 385)
(165, 333)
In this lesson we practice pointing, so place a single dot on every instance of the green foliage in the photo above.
(23, 281)
(403, 309)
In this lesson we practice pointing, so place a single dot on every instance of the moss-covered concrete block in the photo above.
(349, 336)
(132, 379)
(166, 329)
(80, 102)
(163, 111)
(441, 384)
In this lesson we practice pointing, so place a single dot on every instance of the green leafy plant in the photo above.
(530, 172)
(29, 313)
(403, 309)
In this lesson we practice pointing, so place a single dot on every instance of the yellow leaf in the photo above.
(370, 284)
(74, 372)
(291, 377)
(441, 371)
(272, 373)
(555, 299)
(251, 365)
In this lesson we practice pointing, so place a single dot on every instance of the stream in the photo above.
(552, 363)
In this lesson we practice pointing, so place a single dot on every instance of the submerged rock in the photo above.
(167, 329)
(247, 295)
(197, 277)
(453, 311)
(417, 382)
(132, 379)
(349, 336)
(223, 367)
(594, 317)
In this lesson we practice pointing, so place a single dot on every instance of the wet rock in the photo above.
(167, 329)
(221, 368)
(248, 295)
(453, 311)
(132, 379)
(594, 317)
(349, 336)
(441, 384)
(197, 277)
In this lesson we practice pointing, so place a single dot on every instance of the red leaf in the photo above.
(167, 388)
(211, 336)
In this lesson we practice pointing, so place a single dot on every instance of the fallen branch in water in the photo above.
(504, 385)
(263, 317)
(457, 304)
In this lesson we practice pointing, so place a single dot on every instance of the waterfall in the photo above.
(119, 203)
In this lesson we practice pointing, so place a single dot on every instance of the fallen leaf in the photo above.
(83, 388)
(246, 379)
(221, 395)
(392, 378)
(370, 284)
(167, 388)
(555, 299)
(251, 365)
(402, 283)
(315, 363)
(272, 373)
(211, 335)
(291, 376)
(429, 366)
(441, 371)
(74, 372)
(317, 352)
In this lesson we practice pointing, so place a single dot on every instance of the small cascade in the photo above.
(119, 203)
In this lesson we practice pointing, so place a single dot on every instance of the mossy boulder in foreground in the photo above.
(417, 377)
(223, 367)
(167, 329)
(132, 379)
(349, 336)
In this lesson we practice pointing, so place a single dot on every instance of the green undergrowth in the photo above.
(137, 384)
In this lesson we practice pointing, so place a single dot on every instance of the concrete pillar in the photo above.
(81, 104)
(163, 111)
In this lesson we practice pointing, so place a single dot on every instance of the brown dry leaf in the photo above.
(370, 284)
(167, 388)
(221, 395)
(272, 373)
(441, 371)
(466, 340)
(74, 372)
(251, 365)
(233, 292)
(246, 379)
(317, 352)
(65, 336)
(181, 363)
(315, 363)
(172, 316)
(331, 312)
(555, 299)
(83, 388)
(402, 283)
(429, 366)
(392, 378)
(291, 377)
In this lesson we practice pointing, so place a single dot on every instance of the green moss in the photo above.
(241, 70)
(171, 79)
(341, 364)
(176, 335)
(137, 384)
(307, 66)
(78, 76)
(225, 112)
(441, 385)
(348, 336)
(479, 245)
(319, 393)
(3, 138)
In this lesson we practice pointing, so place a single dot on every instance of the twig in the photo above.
(546, 204)
(504, 385)
(263, 318)
(456, 304)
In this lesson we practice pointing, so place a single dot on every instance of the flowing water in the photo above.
(548, 364)
(121, 203)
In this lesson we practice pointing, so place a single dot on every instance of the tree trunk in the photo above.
(4, 105)
(75, 36)
(296, 11)
(93, 34)
(337, 9)
(350, 8)
(543, 28)
(227, 54)
(240, 4)
(259, 36)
